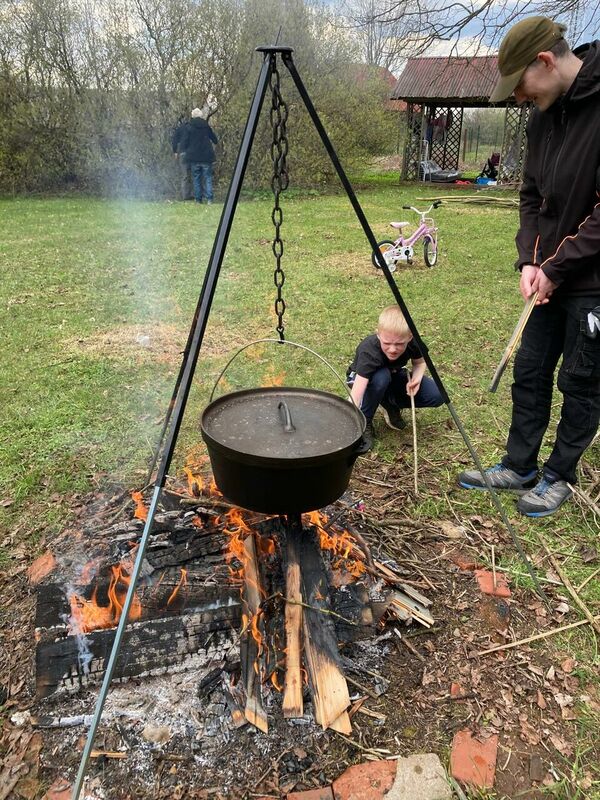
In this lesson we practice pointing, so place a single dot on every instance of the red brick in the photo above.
(371, 780)
(60, 790)
(472, 761)
(41, 567)
(485, 579)
(324, 793)
(455, 690)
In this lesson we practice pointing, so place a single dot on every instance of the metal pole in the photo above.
(287, 58)
(187, 373)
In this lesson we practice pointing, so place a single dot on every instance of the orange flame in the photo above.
(88, 615)
(275, 681)
(195, 482)
(141, 512)
(182, 582)
(339, 543)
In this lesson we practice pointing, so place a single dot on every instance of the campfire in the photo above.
(266, 606)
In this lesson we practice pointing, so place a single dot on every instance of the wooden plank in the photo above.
(292, 690)
(329, 688)
(249, 647)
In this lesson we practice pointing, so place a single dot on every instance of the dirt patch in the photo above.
(156, 343)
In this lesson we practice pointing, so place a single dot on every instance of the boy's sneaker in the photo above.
(368, 439)
(501, 478)
(544, 499)
(393, 418)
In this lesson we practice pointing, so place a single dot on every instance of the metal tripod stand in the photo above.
(171, 427)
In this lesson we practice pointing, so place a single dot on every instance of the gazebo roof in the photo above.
(448, 79)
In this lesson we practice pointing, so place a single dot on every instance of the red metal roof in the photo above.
(467, 79)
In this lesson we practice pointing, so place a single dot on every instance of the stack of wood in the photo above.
(295, 603)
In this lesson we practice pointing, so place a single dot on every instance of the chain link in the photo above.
(279, 183)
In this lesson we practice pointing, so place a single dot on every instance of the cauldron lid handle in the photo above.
(286, 417)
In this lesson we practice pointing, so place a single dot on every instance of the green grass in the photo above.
(81, 398)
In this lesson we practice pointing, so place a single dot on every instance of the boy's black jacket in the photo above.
(560, 195)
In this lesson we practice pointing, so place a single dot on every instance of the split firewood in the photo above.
(249, 645)
(292, 692)
(330, 690)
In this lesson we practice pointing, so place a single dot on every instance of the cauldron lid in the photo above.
(252, 422)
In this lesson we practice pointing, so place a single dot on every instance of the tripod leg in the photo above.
(182, 392)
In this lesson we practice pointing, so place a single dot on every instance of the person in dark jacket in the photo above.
(558, 244)
(197, 143)
(184, 167)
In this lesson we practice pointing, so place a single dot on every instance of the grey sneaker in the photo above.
(368, 439)
(544, 499)
(502, 478)
(393, 418)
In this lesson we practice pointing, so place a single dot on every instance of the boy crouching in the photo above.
(378, 376)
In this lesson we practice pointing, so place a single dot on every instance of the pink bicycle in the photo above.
(403, 248)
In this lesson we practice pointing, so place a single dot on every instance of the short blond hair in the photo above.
(392, 320)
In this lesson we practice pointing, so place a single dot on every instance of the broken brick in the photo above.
(372, 779)
(324, 793)
(485, 579)
(41, 567)
(472, 761)
(60, 790)
(455, 690)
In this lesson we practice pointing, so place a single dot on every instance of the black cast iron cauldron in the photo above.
(282, 450)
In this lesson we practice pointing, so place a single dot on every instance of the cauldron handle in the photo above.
(292, 344)
(286, 417)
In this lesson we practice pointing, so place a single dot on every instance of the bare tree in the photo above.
(392, 30)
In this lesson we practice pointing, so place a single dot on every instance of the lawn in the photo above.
(97, 298)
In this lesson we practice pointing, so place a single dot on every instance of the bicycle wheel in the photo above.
(430, 251)
(384, 247)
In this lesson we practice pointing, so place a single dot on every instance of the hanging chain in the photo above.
(279, 183)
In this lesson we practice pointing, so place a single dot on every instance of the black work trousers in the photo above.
(555, 329)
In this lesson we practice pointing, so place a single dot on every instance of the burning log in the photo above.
(149, 647)
(329, 688)
(251, 646)
(292, 695)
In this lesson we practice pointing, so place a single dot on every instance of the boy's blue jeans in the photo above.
(202, 173)
(389, 390)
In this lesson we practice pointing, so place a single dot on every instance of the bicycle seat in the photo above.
(398, 225)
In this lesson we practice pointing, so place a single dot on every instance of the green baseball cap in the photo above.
(519, 48)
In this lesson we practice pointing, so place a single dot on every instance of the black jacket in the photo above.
(196, 142)
(560, 195)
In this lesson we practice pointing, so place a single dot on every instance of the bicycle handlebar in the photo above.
(434, 205)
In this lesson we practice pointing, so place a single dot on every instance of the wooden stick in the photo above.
(107, 754)
(568, 585)
(588, 579)
(409, 646)
(493, 567)
(513, 342)
(585, 497)
(536, 637)
(413, 417)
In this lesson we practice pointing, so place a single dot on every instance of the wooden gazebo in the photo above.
(437, 90)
